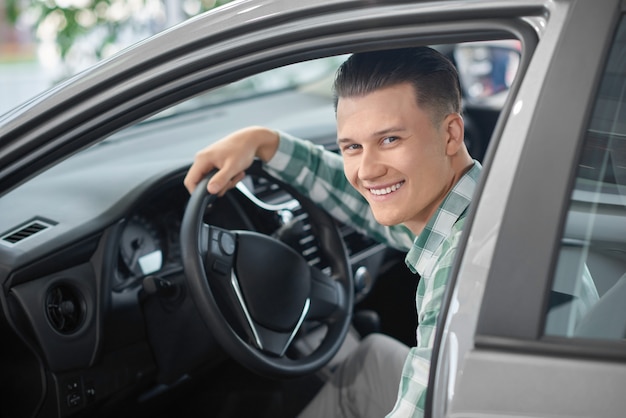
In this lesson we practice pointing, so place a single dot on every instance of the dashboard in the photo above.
(111, 312)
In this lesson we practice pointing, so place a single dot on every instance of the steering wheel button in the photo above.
(227, 243)
(220, 267)
(215, 248)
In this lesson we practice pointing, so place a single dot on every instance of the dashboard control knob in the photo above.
(362, 280)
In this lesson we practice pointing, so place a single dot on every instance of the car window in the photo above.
(289, 77)
(588, 298)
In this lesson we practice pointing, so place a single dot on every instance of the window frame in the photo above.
(512, 313)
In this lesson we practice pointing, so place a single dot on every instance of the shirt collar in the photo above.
(420, 258)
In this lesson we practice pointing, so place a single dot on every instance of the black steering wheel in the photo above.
(254, 292)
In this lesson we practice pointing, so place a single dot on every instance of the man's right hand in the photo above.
(231, 155)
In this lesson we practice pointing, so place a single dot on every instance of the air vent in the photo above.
(306, 243)
(64, 308)
(355, 241)
(25, 231)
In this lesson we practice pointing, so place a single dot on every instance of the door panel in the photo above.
(531, 273)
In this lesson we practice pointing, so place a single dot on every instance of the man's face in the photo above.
(394, 155)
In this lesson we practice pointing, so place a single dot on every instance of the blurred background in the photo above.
(43, 42)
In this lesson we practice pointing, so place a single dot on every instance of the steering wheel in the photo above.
(254, 292)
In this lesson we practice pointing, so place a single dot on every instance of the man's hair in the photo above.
(433, 76)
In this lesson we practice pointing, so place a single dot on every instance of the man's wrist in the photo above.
(266, 143)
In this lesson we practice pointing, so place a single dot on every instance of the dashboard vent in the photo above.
(64, 308)
(25, 231)
(307, 243)
(356, 242)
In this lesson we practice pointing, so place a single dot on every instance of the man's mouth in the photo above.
(386, 190)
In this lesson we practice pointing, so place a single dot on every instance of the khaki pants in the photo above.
(365, 384)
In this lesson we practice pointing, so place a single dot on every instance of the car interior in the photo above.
(100, 319)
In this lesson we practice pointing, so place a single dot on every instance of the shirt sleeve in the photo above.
(318, 174)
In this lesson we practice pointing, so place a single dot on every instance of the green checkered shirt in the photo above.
(320, 176)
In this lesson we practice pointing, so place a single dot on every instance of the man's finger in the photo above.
(193, 177)
(219, 181)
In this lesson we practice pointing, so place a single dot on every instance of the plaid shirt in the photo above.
(320, 176)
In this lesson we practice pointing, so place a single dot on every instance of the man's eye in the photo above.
(389, 139)
(351, 147)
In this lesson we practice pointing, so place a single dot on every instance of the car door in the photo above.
(535, 318)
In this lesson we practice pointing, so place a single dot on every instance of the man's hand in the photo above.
(231, 155)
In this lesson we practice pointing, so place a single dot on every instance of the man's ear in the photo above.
(455, 130)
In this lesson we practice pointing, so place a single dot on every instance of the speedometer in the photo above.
(141, 248)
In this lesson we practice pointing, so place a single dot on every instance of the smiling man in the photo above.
(404, 177)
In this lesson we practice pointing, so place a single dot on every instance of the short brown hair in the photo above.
(433, 76)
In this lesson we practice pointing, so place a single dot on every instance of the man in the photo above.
(404, 176)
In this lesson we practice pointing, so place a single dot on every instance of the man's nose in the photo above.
(372, 165)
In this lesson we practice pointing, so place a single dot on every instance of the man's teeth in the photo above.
(387, 190)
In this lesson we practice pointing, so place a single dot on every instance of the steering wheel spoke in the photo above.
(272, 342)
